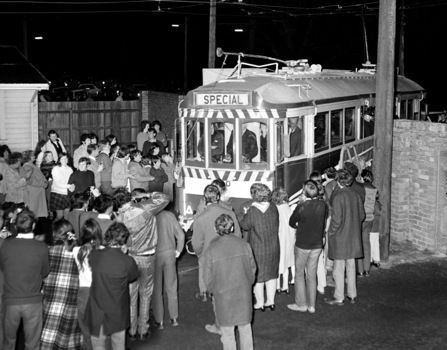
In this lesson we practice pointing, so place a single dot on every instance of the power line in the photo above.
(253, 10)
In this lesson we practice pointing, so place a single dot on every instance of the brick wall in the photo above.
(161, 106)
(415, 185)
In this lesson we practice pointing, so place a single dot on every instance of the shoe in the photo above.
(285, 291)
(295, 307)
(201, 296)
(144, 336)
(334, 302)
(320, 290)
(377, 264)
(132, 337)
(311, 309)
(159, 325)
(174, 322)
(271, 307)
(351, 300)
(366, 273)
(360, 274)
(262, 308)
(278, 291)
(212, 328)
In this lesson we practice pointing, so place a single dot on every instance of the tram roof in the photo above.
(288, 91)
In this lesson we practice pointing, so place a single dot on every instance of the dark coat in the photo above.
(229, 273)
(263, 237)
(203, 227)
(108, 304)
(345, 230)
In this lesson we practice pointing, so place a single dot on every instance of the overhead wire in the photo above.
(253, 10)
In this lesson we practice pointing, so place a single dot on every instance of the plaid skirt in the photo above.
(59, 201)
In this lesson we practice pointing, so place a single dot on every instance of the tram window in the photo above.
(296, 136)
(367, 121)
(336, 124)
(195, 131)
(221, 135)
(279, 126)
(321, 131)
(251, 132)
(349, 124)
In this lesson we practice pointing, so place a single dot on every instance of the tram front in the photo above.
(224, 136)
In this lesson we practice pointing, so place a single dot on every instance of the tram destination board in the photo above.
(222, 99)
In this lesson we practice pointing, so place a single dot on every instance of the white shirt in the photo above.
(85, 275)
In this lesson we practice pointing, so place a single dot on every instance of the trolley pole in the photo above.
(383, 141)
(212, 36)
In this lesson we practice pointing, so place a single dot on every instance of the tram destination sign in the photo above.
(221, 99)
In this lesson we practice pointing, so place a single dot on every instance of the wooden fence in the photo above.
(72, 119)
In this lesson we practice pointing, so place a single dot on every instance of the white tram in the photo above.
(277, 127)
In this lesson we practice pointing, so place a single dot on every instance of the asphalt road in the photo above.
(400, 307)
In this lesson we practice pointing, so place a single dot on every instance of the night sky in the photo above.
(134, 42)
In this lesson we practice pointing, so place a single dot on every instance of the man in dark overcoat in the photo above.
(204, 233)
(229, 273)
(345, 240)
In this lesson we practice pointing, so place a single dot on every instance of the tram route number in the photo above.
(222, 99)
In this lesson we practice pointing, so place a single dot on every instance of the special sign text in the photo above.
(222, 99)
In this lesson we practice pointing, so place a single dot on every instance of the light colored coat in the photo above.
(119, 173)
(49, 147)
(15, 186)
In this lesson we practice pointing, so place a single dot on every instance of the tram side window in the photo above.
(296, 136)
(195, 131)
(367, 121)
(249, 144)
(279, 127)
(221, 135)
(336, 123)
(349, 124)
(321, 131)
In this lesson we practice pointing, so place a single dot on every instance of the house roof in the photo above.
(16, 69)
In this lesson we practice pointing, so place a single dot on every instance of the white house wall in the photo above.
(20, 119)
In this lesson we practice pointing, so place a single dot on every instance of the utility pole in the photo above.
(402, 41)
(383, 141)
(185, 57)
(212, 37)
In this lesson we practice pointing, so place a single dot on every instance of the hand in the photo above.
(130, 176)
(177, 254)
(100, 167)
(71, 187)
(95, 192)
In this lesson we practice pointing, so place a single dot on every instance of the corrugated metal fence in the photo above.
(72, 119)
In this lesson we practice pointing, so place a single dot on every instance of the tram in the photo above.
(277, 125)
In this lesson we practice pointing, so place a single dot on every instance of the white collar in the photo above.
(25, 235)
(103, 216)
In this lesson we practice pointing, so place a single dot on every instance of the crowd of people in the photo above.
(249, 255)
(89, 244)
(87, 240)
